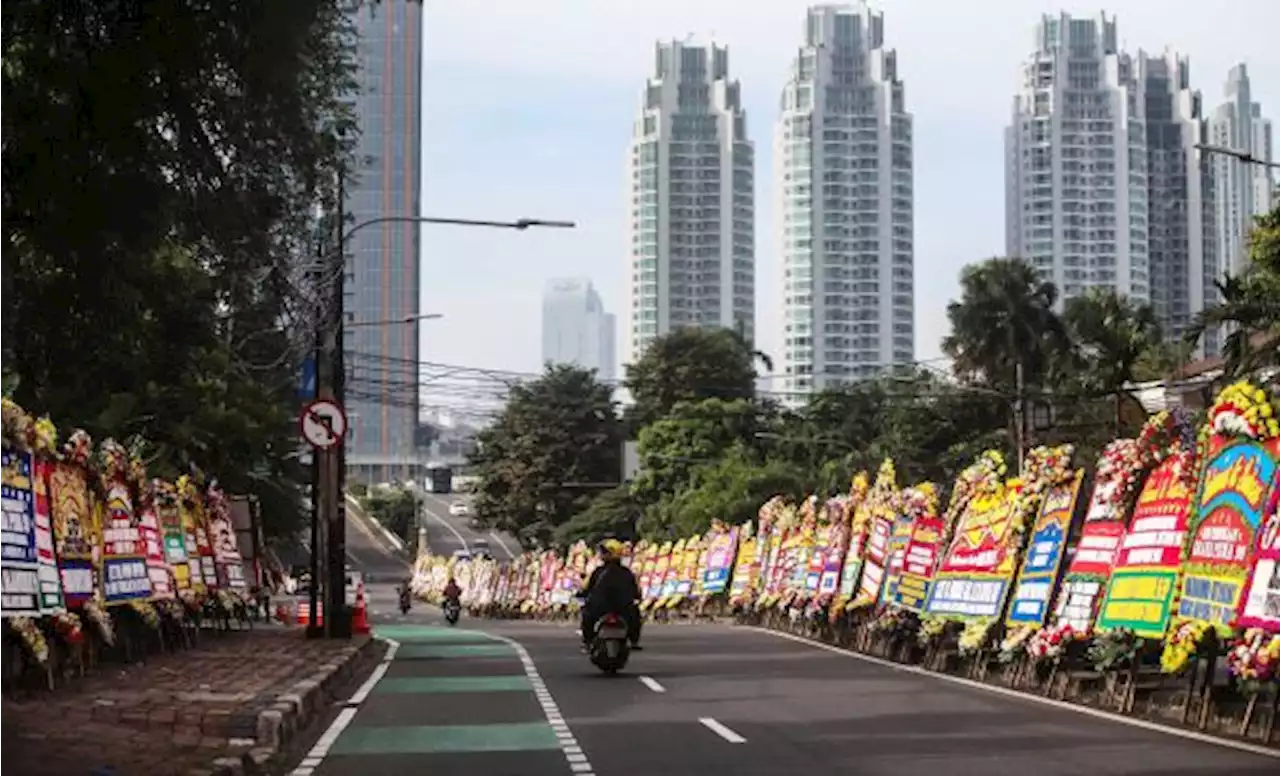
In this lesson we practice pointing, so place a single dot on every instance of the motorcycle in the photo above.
(405, 602)
(609, 647)
(452, 610)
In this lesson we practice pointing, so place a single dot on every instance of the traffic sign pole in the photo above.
(339, 624)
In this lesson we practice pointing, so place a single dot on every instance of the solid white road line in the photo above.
(722, 731)
(366, 688)
(318, 752)
(651, 683)
(503, 544)
(431, 513)
(1192, 735)
(578, 762)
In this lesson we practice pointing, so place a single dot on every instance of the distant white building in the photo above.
(1182, 240)
(691, 201)
(843, 188)
(1076, 162)
(575, 327)
(1104, 187)
(1244, 190)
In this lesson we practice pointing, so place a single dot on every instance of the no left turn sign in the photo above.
(323, 423)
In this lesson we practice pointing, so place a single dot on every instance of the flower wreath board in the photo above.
(1237, 479)
(1038, 577)
(1087, 574)
(975, 575)
(1140, 593)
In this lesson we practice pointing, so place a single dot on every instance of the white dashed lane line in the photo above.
(578, 762)
(721, 730)
(652, 684)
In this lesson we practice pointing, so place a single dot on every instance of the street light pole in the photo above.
(329, 468)
(393, 321)
(1241, 155)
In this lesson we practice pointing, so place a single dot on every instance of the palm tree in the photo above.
(1111, 333)
(1250, 304)
(1004, 320)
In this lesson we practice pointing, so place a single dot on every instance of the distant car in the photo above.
(459, 509)
(462, 554)
(480, 548)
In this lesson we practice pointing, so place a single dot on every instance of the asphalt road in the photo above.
(446, 533)
(371, 551)
(704, 700)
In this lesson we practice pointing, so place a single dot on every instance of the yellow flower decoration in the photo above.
(16, 423)
(1183, 644)
(45, 436)
(1242, 409)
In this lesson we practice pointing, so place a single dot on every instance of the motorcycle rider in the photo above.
(405, 595)
(612, 588)
(452, 592)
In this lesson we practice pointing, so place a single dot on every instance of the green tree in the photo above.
(693, 434)
(614, 512)
(1113, 340)
(833, 432)
(1162, 360)
(161, 166)
(395, 508)
(557, 440)
(731, 489)
(689, 364)
(934, 428)
(1250, 304)
(1111, 334)
(1004, 320)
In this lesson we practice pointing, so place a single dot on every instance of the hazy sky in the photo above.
(528, 109)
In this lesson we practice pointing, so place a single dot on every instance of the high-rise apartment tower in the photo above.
(690, 173)
(843, 188)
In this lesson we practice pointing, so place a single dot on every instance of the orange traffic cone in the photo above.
(304, 613)
(359, 617)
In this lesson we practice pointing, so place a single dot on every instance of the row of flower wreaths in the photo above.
(1252, 655)
(110, 461)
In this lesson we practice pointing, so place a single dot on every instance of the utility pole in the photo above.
(1020, 413)
(337, 624)
(329, 509)
(314, 597)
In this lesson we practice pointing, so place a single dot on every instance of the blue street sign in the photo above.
(307, 382)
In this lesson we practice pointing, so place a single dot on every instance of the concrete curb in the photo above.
(290, 713)
(394, 540)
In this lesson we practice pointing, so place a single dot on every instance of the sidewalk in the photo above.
(179, 712)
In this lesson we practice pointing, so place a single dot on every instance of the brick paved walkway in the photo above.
(172, 715)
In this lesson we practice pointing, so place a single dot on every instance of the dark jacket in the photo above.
(612, 587)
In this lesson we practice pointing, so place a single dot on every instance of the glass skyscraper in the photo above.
(381, 280)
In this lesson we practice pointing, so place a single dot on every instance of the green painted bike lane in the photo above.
(450, 701)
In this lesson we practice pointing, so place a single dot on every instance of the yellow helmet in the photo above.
(611, 547)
